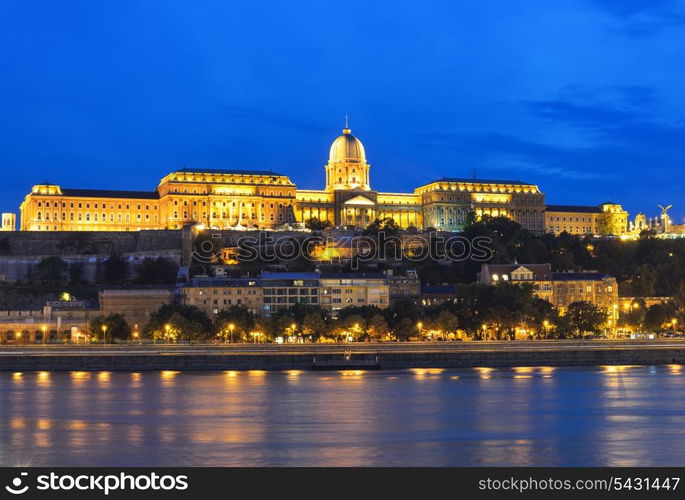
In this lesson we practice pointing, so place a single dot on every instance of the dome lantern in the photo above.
(347, 167)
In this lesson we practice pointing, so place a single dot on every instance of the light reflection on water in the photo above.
(602, 416)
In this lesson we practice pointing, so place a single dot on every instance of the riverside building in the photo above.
(272, 292)
(558, 288)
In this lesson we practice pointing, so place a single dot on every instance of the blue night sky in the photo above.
(583, 97)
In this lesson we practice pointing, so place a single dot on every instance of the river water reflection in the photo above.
(599, 416)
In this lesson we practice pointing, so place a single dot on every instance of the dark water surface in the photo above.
(601, 416)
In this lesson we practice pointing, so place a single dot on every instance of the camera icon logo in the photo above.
(16, 487)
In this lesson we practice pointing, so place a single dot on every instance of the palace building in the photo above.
(606, 219)
(242, 199)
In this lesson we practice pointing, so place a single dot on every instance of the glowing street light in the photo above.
(231, 327)
(44, 329)
(485, 330)
(167, 327)
(545, 324)
(674, 321)
(419, 326)
(104, 333)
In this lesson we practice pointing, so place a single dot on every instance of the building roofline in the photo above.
(189, 170)
(110, 193)
(589, 209)
(465, 180)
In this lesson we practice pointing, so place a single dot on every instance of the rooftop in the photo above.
(188, 170)
(373, 275)
(574, 208)
(110, 193)
(478, 181)
(289, 276)
(580, 276)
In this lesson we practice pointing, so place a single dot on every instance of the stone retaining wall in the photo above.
(394, 360)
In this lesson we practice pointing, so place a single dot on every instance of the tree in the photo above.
(377, 327)
(609, 223)
(159, 270)
(178, 322)
(386, 225)
(5, 246)
(51, 271)
(115, 269)
(353, 326)
(405, 329)
(659, 315)
(314, 325)
(116, 327)
(76, 273)
(584, 317)
(446, 322)
(316, 224)
(240, 318)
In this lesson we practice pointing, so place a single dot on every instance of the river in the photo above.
(543, 416)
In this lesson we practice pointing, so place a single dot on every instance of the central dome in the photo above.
(347, 148)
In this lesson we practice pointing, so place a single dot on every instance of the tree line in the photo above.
(115, 270)
(504, 311)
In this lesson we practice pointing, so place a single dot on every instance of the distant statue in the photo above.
(665, 218)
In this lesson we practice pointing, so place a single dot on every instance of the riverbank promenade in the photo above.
(395, 355)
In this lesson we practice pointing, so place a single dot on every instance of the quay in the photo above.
(386, 356)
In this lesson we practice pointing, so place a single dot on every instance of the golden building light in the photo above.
(260, 199)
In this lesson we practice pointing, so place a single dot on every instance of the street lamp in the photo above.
(104, 333)
(485, 329)
(167, 327)
(44, 329)
(293, 328)
(674, 322)
(231, 327)
(356, 331)
(546, 325)
(419, 325)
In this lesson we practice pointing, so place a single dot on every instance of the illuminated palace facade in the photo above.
(240, 199)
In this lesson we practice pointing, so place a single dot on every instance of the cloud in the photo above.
(499, 152)
(644, 17)
(619, 137)
(582, 115)
(632, 8)
(613, 122)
